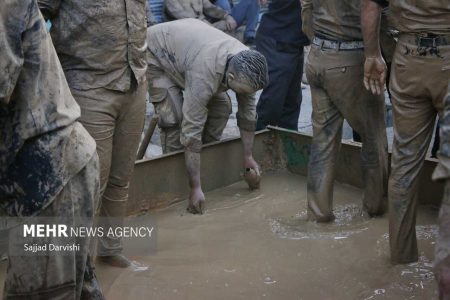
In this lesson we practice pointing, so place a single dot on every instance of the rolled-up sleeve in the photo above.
(49, 8)
(198, 92)
(11, 58)
(246, 114)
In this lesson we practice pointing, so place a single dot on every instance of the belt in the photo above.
(336, 45)
(432, 40)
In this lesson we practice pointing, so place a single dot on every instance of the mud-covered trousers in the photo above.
(335, 78)
(167, 98)
(115, 120)
(442, 172)
(280, 102)
(63, 276)
(418, 86)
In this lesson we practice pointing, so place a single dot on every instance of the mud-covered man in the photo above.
(418, 85)
(101, 46)
(191, 56)
(334, 69)
(200, 9)
(48, 164)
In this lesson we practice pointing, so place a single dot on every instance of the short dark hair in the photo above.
(250, 66)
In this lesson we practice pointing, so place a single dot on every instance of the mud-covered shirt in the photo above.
(419, 16)
(337, 20)
(41, 144)
(197, 64)
(100, 43)
(197, 9)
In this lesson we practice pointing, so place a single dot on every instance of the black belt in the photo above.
(432, 40)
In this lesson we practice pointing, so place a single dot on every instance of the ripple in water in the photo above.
(349, 220)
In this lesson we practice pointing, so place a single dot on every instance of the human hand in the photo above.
(262, 3)
(196, 201)
(375, 71)
(231, 23)
(252, 173)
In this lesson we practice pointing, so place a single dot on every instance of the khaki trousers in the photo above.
(337, 90)
(167, 98)
(418, 86)
(60, 277)
(115, 120)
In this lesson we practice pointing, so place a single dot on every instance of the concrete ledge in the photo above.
(162, 181)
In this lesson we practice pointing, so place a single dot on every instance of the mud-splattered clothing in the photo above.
(101, 44)
(421, 60)
(41, 144)
(419, 16)
(197, 9)
(195, 63)
(48, 164)
(442, 172)
(334, 20)
(337, 90)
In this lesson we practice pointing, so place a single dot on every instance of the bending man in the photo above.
(191, 56)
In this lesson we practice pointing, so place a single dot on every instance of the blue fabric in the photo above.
(244, 12)
(157, 9)
(279, 103)
(283, 22)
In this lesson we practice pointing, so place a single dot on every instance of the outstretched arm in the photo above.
(246, 117)
(375, 69)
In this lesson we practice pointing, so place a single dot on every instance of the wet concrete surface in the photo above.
(258, 245)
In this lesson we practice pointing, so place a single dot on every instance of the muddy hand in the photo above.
(253, 178)
(196, 202)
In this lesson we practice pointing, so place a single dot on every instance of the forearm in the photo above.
(307, 18)
(193, 168)
(247, 138)
(370, 25)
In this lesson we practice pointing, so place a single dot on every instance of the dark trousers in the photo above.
(280, 101)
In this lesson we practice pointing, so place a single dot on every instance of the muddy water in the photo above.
(257, 245)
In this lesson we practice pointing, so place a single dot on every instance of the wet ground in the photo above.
(257, 245)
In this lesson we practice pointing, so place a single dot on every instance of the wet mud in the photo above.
(258, 245)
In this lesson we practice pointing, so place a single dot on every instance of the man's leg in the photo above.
(442, 252)
(414, 116)
(327, 134)
(60, 276)
(365, 114)
(293, 100)
(282, 90)
(127, 131)
(247, 12)
(219, 110)
(224, 4)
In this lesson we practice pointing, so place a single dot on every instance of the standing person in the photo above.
(244, 12)
(48, 164)
(102, 51)
(421, 61)
(281, 40)
(442, 172)
(334, 69)
(191, 56)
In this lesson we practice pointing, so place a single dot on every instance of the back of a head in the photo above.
(250, 66)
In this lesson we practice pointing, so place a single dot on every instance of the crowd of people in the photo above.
(72, 105)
